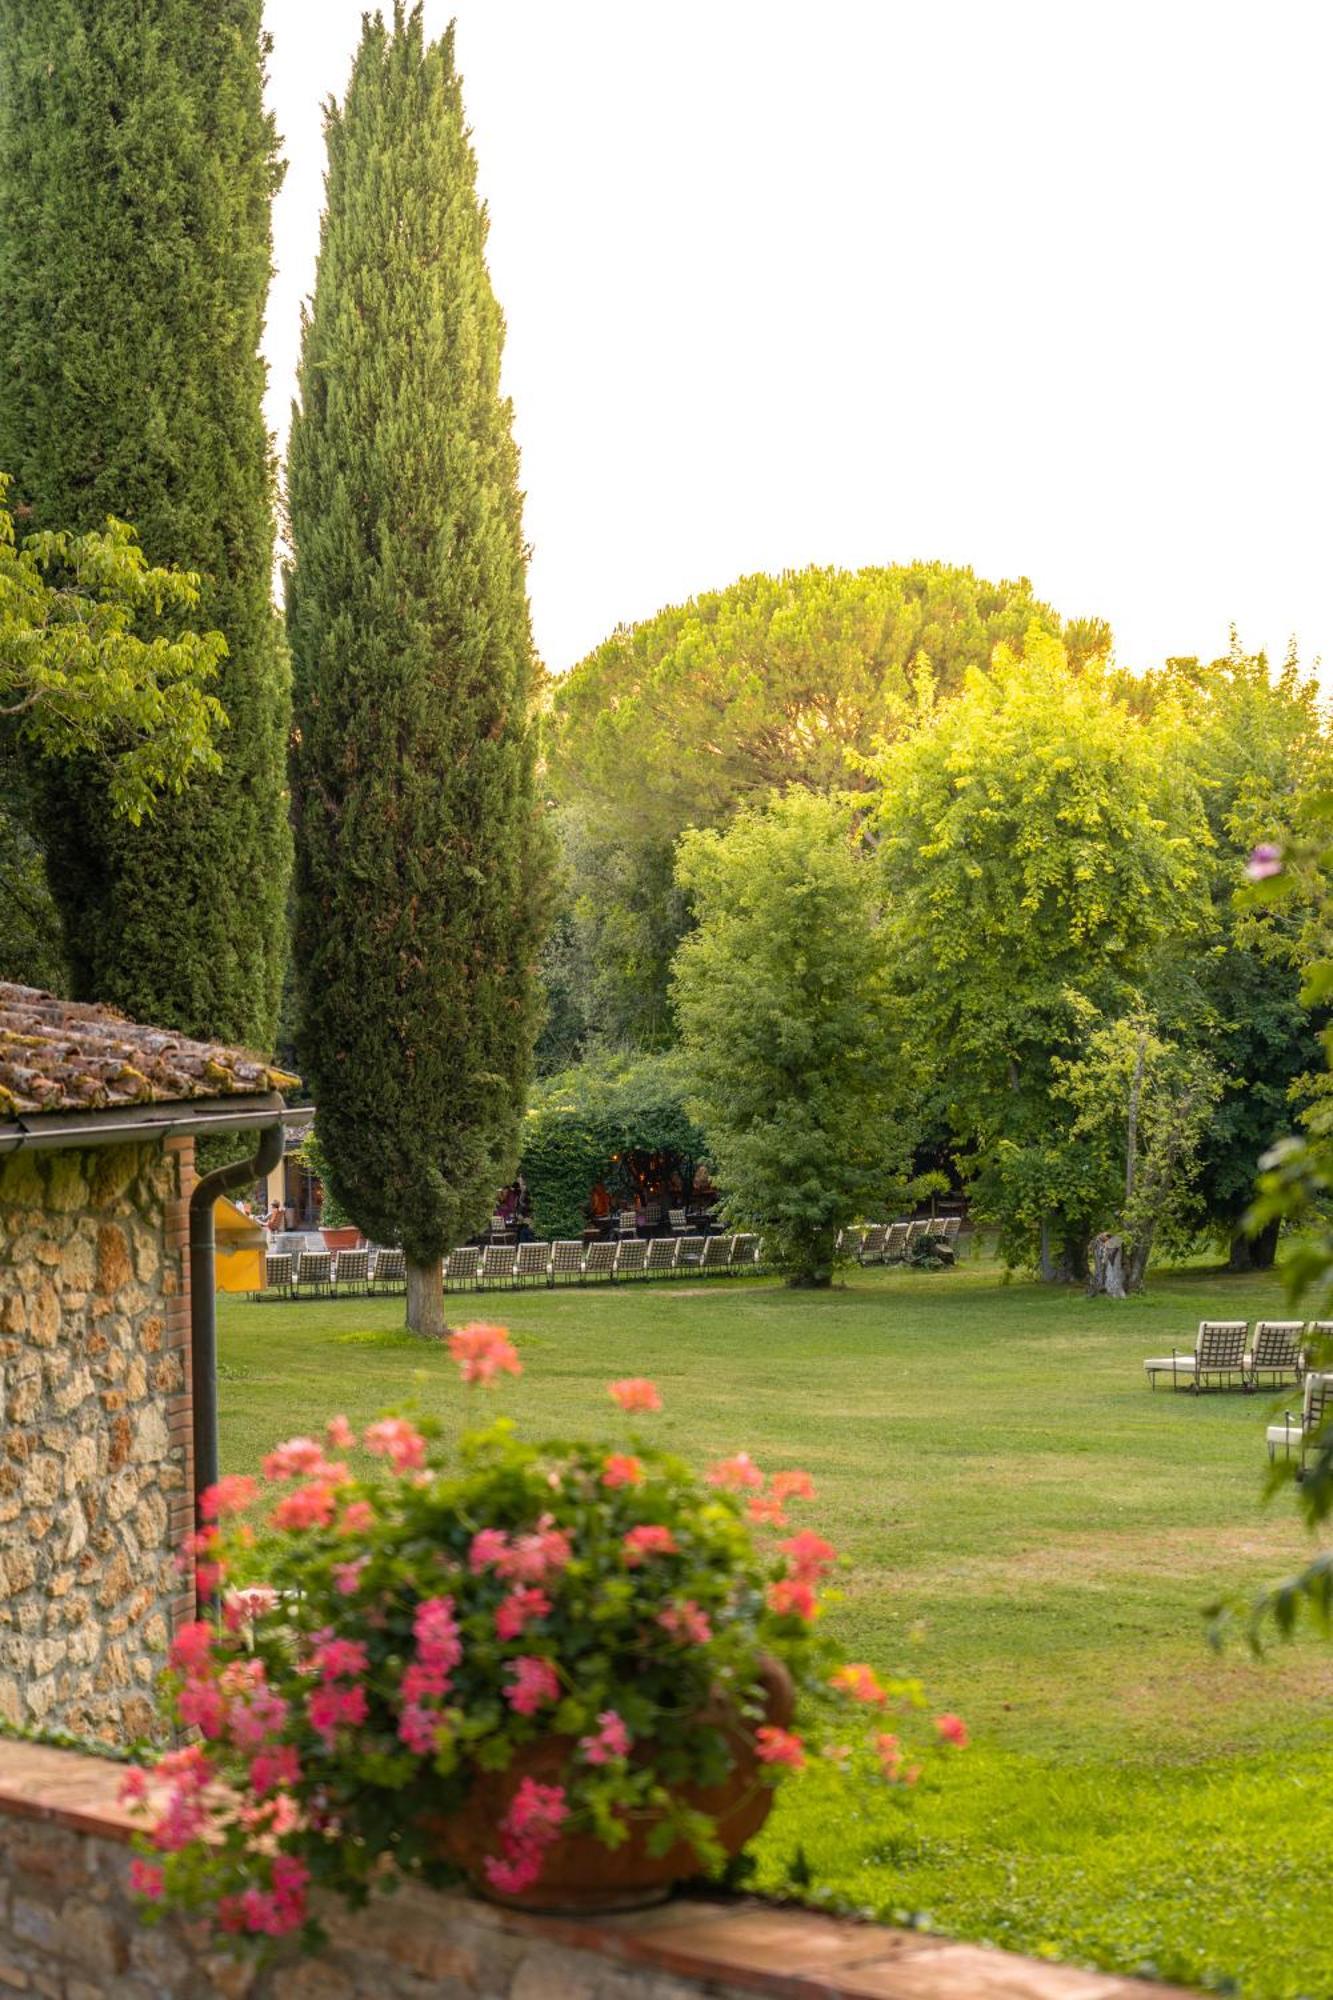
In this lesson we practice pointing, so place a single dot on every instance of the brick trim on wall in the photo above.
(180, 1403)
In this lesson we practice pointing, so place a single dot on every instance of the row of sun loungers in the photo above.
(1226, 1355)
(891, 1242)
(504, 1267)
(1300, 1434)
(363, 1273)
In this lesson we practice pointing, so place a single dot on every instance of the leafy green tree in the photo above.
(419, 852)
(790, 1031)
(1038, 860)
(137, 165)
(678, 721)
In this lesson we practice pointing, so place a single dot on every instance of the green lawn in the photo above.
(1033, 1532)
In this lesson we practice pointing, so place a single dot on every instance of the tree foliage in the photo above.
(418, 850)
(137, 164)
(679, 721)
(788, 1020)
(1037, 859)
(581, 1123)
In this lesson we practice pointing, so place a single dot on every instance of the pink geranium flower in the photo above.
(767, 1512)
(612, 1739)
(518, 1611)
(621, 1469)
(305, 1507)
(791, 1597)
(648, 1540)
(340, 1433)
(274, 1767)
(242, 1607)
(230, 1495)
(809, 1555)
(357, 1518)
(347, 1576)
(533, 1684)
(952, 1729)
(488, 1545)
(686, 1623)
(861, 1683)
(147, 1879)
(483, 1351)
(298, 1458)
(635, 1392)
(735, 1473)
(778, 1746)
(795, 1485)
(332, 1708)
(398, 1441)
(192, 1648)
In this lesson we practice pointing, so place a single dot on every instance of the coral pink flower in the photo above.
(809, 1556)
(639, 1543)
(250, 1722)
(635, 1393)
(435, 1629)
(192, 1648)
(296, 1459)
(242, 1607)
(952, 1729)
(339, 1659)
(420, 1729)
(686, 1623)
(347, 1576)
(275, 1766)
(358, 1516)
(340, 1433)
(230, 1495)
(483, 1351)
(514, 1877)
(518, 1611)
(778, 1746)
(792, 1598)
(133, 1787)
(147, 1879)
(890, 1753)
(533, 1684)
(305, 1507)
(537, 1811)
(332, 1708)
(533, 1557)
(200, 1705)
(398, 1441)
(861, 1683)
(612, 1739)
(488, 1545)
(736, 1473)
(767, 1513)
(621, 1469)
(792, 1486)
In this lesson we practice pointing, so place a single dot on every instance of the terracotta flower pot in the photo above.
(346, 1238)
(578, 1872)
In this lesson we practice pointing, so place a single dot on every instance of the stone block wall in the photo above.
(96, 1485)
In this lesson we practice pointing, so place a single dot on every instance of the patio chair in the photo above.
(627, 1222)
(847, 1243)
(532, 1265)
(1302, 1434)
(716, 1258)
(496, 1267)
(500, 1229)
(631, 1258)
(689, 1251)
(390, 1272)
(895, 1243)
(661, 1260)
(915, 1231)
(1219, 1356)
(744, 1249)
(460, 1269)
(1319, 1340)
(1276, 1352)
(566, 1262)
(652, 1215)
(953, 1224)
(679, 1221)
(600, 1260)
(351, 1273)
(277, 1275)
(871, 1249)
(314, 1274)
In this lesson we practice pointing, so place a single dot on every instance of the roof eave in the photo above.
(140, 1124)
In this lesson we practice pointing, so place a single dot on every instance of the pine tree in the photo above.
(418, 850)
(137, 167)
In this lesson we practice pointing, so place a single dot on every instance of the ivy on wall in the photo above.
(579, 1122)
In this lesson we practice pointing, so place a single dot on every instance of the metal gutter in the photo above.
(138, 1124)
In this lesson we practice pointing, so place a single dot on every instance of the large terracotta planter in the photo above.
(348, 1238)
(579, 1873)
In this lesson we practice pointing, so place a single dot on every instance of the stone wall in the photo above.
(95, 1454)
(68, 1931)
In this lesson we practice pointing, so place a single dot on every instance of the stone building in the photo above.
(105, 1410)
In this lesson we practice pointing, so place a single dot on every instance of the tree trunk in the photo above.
(1254, 1253)
(1108, 1267)
(425, 1299)
(1067, 1262)
(812, 1264)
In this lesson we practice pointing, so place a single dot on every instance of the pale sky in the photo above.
(1043, 288)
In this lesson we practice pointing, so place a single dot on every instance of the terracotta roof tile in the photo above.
(60, 1055)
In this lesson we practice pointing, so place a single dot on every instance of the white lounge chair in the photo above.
(716, 1258)
(689, 1253)
(661, 1259)
(895, 1243)
(1276, 1354)
(351, 1273)
(1302, 1434)
(460, 1269)
(631, 1258)
(600, 1260)
(532, 1265)
(390, 1271)
(744, 1253)
(314, 1274)
(1218, 1357)
(496, 1267)
(567, 1262)
(278, 1274)
(871, 1249)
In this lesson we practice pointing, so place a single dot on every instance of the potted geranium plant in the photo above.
(560, 1671)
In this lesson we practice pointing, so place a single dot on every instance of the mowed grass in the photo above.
(1031, 1531)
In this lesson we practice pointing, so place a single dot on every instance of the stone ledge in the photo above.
(719, 1946)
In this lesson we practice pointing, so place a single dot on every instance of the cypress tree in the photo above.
(137, 167)
(418, 850)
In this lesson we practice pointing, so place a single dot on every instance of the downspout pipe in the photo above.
(203, 1302)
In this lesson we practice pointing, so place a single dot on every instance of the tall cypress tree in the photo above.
(137, 167)
(419, 855)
